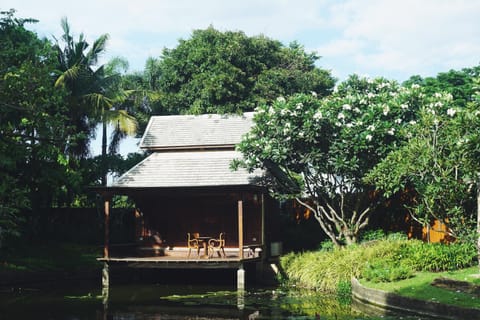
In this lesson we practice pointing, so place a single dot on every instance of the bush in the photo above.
(438, 257)
(324, 270)
(386, 272)
(371, 235)
(344, 292)
(382, 260)
(327, 245)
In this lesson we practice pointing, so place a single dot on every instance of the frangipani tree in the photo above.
(318, 151)
(440, 161)
(434, 163)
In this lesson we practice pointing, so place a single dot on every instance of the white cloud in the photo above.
(394, 38)
(407, 37)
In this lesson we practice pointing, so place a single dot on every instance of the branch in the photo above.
(363, 217)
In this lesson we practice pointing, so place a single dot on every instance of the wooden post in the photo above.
(138, 224)
(240, 229)
(241, 287)
(105, 280)
(263, 221)
(106, 253)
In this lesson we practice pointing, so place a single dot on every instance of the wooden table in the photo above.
(204, 240)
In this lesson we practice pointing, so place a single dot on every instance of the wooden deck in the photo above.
(177, 259)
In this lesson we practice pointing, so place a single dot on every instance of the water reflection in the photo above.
(149, 302)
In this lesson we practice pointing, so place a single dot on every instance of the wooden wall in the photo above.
(207, 214)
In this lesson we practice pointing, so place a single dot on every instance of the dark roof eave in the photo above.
(189, 147)
(112, 190)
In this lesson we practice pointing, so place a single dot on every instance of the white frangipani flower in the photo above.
(369, 137)
(347, 107)
(451, 112)
(318, 115)
(391, 131)
(386, 110)
(281, 99)
(371, 127)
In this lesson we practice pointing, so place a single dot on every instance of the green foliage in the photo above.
(439, 257)
(324, 270)
(344, 292)
(419, 287)
(382, 271)
(436, 163)
(228, 72)
(52, 257)
(370, 235)
(327, 245)
(459, 83)
(33, 129)
(321, 149)
(382, 260)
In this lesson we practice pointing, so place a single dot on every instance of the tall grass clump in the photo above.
(436, 257)
(326, 269)
(384, 260)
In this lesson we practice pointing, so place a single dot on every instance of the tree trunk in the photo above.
(104, 153)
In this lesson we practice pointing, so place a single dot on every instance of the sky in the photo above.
(391, 38)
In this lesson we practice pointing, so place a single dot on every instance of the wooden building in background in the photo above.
(186, 185)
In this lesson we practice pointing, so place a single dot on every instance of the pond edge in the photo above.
(390, 302)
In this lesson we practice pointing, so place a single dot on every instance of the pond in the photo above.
(147, 301)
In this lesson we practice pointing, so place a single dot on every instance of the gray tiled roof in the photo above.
(186, 169)
(188, 131)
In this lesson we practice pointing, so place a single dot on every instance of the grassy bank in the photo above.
(420, 287)
(52, 257)
(406, 267)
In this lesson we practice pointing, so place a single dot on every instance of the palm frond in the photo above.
(122, 121)
(115, 138)
(98, 100)
(98, 47)
(70, 74)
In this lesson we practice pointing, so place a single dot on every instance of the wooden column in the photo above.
(240, 229)
(106, 253)
(138, 224)
(263, 221)
(241, 287)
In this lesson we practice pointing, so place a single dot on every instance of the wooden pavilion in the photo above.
(186, 186)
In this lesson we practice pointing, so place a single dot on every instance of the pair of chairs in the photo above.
(213, 245)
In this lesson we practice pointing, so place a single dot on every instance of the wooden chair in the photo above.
(217, 245)
(193, 243)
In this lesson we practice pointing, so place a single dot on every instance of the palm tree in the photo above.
(108, 104)
(76, 73)
(95, 93)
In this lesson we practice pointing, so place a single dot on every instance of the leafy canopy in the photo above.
(228, 72)
(320, 149)
(439, 162)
